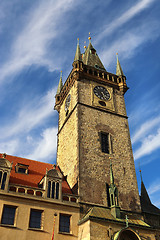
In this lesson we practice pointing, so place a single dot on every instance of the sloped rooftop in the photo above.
(36, 171)
(102, 213)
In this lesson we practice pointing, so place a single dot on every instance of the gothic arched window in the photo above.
(53, 190)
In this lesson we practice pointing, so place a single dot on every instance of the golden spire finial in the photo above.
(140, 171)
(89, 36)
(4, 155)
(78, 41)
(85, 45)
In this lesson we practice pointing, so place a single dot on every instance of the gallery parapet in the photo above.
(40, 193)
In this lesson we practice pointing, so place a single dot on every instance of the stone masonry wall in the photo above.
(94, 164)
(79, 149)
(102, 230)
(67, 149)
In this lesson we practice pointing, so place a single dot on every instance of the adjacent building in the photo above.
(91, 193)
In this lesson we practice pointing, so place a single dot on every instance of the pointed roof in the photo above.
(90, 57)
(146, 204)
(119, 71)
(60, 85)
(78, 52)
(144, 195)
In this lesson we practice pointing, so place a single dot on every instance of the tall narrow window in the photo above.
(64, 223)
(105, 142)
(49, 189)
(8, 215)
(53, 189)
(3, 177)
(57, 190)
(108, 196)
(0, 176)
(4, 180)
(35, 219)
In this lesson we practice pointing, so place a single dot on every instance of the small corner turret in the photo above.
(78, 56)
(119, 71)
(77, 63)
(121, 78)
(113, 193)
(60, 86)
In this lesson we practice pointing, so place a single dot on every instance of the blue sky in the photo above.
(38, 39)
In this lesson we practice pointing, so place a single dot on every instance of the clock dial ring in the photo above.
(67, 102)
(102, 93)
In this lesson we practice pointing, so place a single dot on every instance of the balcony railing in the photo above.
(27, 190)
(39, 193)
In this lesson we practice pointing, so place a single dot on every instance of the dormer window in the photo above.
(53, 184)
(21, 168)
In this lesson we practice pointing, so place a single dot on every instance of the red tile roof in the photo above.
(36, 172)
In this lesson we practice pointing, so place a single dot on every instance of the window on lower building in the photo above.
(64, 223)
(35, 219)
(3, 177)
(21, 168)
(8, 215)
(53, 190)
(106, 143)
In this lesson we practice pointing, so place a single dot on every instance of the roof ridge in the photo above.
(27, 159)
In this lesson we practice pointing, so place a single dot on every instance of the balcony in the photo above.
(40, 193)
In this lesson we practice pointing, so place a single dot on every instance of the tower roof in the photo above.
(144, 195)
(119, 71)
(90, 58)
(78, 52)
(146, 204)
(60, 85)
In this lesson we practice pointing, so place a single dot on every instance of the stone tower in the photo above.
(93, 129)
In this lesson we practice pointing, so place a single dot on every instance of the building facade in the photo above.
(92, 192)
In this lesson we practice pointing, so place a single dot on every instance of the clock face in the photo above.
(67, 103)
(101, 93)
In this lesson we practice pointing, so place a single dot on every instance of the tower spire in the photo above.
(78, 52)
(140, 171)
(119, 71)
(113, 192)
(89, 38)
(111, 173)
(60, 85)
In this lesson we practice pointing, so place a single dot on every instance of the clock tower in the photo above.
(93, 134)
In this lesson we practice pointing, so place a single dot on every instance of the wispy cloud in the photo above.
(154, 192)
(10, 146)
(154, 187)
(32, 43)
(149, 144)
(145, 128)
(125, 17)
(30, 116)
(127, 44)
(46, 146)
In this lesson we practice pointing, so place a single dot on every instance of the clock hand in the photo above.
(103, 94)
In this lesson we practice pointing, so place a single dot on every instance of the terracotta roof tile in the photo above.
(36, 172)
